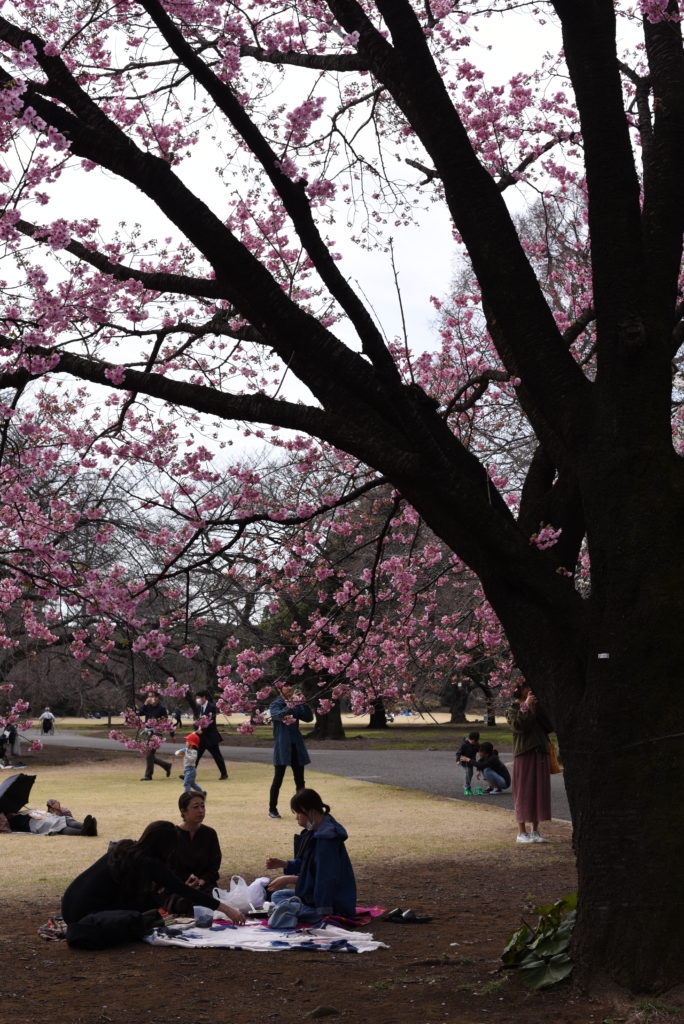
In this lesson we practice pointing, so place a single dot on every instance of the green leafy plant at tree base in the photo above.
(541, 954)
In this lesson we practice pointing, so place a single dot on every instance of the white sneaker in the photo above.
(536, 838)
(524, 837)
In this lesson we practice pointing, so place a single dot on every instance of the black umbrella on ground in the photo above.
(14, 792)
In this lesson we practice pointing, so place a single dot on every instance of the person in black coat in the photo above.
(152, 710)
(210, 737)
(115, 899)
(465, 756)
(492, 768)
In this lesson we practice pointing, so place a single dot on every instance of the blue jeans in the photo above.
(468, 769)
(189, 781)
(495, 780)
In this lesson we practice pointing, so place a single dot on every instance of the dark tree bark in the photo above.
(378, 716)
(456, 699)
(328, 726)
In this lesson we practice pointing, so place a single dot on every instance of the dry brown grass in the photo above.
(385, 825)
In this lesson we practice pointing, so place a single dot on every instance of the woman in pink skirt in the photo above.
(531, 775)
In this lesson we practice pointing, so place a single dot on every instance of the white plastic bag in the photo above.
(238, 895)
(257, 892)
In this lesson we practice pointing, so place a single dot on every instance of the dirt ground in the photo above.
(445, 970)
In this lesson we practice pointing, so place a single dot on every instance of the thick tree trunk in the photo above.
(456, 699)
(614, 692)
(623, 756)
(378, 716)
(328, 726)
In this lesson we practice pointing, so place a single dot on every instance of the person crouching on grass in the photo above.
(491, 767)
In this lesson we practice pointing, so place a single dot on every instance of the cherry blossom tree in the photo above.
(263, 141)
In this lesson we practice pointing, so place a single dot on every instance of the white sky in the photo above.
(424, 255)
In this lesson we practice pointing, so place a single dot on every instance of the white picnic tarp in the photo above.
(259, 939)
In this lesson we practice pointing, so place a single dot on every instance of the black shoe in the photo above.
(89, 826)
(167, 769)
(182, 777)
(273, 813)
(222, 778)
(146, 778)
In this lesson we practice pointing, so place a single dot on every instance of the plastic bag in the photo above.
(244, 897)
(257, 892)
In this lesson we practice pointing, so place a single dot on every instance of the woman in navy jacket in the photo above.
(288, 746)
(320, 873)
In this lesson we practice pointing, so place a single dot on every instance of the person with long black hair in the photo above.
(116, 898)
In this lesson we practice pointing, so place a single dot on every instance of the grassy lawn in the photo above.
(427, 732)
(400, 826)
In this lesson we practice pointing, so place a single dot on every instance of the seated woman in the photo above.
(320, 873)
(197, 856)
(115, 899)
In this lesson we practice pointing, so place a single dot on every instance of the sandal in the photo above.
(393, 915)
(410, 917)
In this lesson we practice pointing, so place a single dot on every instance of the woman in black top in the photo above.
(196, 859)
(128, 879)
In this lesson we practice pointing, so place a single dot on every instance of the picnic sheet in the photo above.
(260, 939)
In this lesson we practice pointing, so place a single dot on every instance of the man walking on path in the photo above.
(210, 737)
(153, 710)
(288, 745)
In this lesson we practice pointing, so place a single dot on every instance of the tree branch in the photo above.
(315, 61)
(613, 188)
(328, 368)
(293, 194)
(507, 280)
(663, 211)
(157, 281)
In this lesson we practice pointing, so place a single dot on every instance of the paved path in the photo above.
(428, 771)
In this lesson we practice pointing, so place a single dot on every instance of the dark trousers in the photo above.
(150, 760)
(278, 776)
(216, 754)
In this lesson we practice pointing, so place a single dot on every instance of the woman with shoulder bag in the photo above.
(531, 774)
